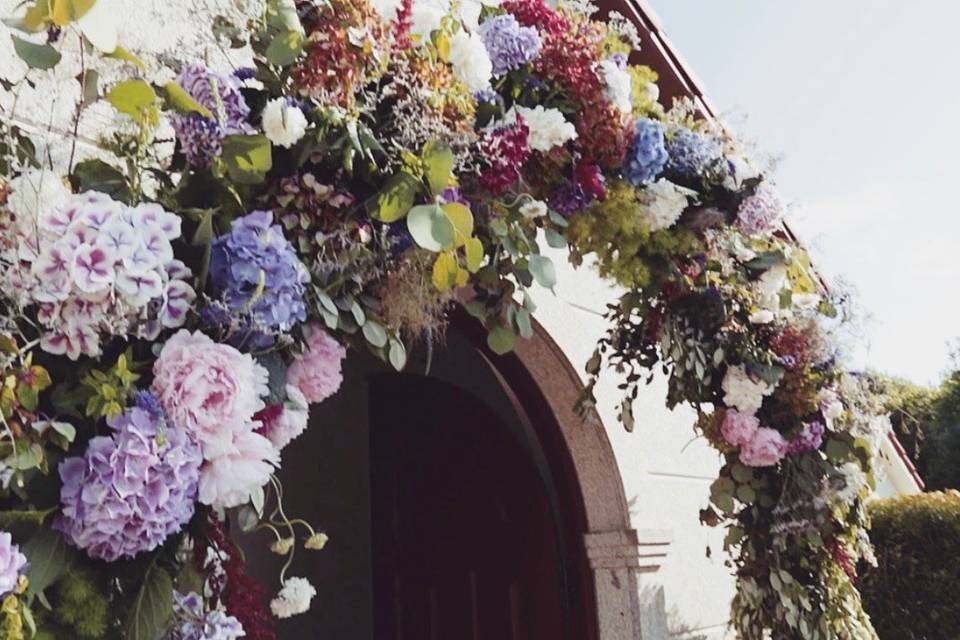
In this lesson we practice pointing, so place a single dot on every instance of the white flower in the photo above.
(652, 91)
(228, 479)
(762, 316)
(769, 285)
(743, 392)
(619, 89)
(294, 598)
(316, 542)
(425, 18)
(805, 300)
(665, 202)
(387, 8)
(283, 123)
(830, 405)
(533, 209)
(548, 127)
(471, 63)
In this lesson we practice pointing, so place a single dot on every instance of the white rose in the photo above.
(471, 63)
(664, 202)
(743, 392)
(619, 88)
(283, 123)
(548, 127)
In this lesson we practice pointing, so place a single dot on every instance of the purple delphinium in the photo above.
(508, 44)
(809, 439)
(692, 154)
(647, 154)
(255, 271)
(12, 564)
(191, 622)
(760, 213)
(130, 490)
(199, 136)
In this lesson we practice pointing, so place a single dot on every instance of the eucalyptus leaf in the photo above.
(438, 165)
(37, 56)
(430, 227)
(462, 220)
(397, 354)
(474, 251)
(501, 340)
(396, 197)
(555, 239)
(543, 271)
(66, 11)
(375, 334)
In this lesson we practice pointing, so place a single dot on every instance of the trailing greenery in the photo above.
(911, 594)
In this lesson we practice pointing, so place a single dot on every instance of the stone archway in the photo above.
(544, 387)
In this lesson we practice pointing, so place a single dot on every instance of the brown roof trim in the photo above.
(908, 463)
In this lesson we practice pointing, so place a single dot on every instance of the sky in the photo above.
(857, 105)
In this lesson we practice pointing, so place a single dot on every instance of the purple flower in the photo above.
(760, 213)
(647, 154)
(200, 136)
(193, 623)
(255, 271)
(12, 564)
(692, 154)
(130, 490)
(809, 439)
(509, 45)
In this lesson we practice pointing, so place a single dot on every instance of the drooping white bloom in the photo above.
(283, 123)
(744, 392)
(470, 60)
(664, 202)
(619, 88)
(533, 209)
(294, 598)
(548, 127)
(426, 17)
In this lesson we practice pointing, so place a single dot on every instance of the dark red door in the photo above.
(465, 545)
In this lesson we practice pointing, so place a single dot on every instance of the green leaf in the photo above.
(248, 158)
(34, 20)
(285, 48)
(66, 11)
(474, 251)
(97, 175)
(397, 355)
(37, 56)
(49, 558)
(89, 81)
(541, 267)
(438, 165)
(282, 14)
(26, 457)
(135, 98)
(396, 198)
(13, 519)
(122, 54)
(462, 220)
(524, 325)
(445, 270)
(375, 334)
(501, 340)
(431, 228)
(151, 611)
(555, 239)
(182, 102)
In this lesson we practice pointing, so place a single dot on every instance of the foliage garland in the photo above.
(170, 313)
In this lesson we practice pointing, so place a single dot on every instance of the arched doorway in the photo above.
(463, 499)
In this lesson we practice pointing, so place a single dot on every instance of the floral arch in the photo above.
(174, 300)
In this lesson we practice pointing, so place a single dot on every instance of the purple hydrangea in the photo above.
(760, 213)
(647, 154)
(692, 154)
(256, 272)
(809, 439)
(508, 44)
(130, 490)
(193, 623)
(12, 564)
(199, 136)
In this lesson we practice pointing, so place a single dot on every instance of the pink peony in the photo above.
(281, 423)
(210, 389)
(738, 428)
(229, 479)
(317, 373)
(765, 449)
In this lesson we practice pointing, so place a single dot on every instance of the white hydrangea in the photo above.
(468, 11)
(619, 89)
(743, 391)
(294, 598)
(426, 17)
(548, 127)
(283, 123)
(664, 202)
(471, 63)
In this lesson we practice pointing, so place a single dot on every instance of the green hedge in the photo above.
(914, 593)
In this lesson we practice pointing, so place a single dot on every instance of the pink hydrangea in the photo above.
(281, 423)
(317, 373)
(738, 428)
(228, 479)
(210, 389)
(765, 449)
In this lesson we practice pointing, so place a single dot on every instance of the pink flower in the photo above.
(765, 449)
(229, 479)
(738, 428)
(317, 372)
(281, 423)
(211, 390)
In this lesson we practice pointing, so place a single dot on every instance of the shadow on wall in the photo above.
(659, 623)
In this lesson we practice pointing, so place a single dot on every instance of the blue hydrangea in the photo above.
(191, 622)
(200, 137)
(508, 44)
(256, 273)
(692, 154)
(647, 155)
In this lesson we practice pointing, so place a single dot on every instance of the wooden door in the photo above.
(465, 544)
